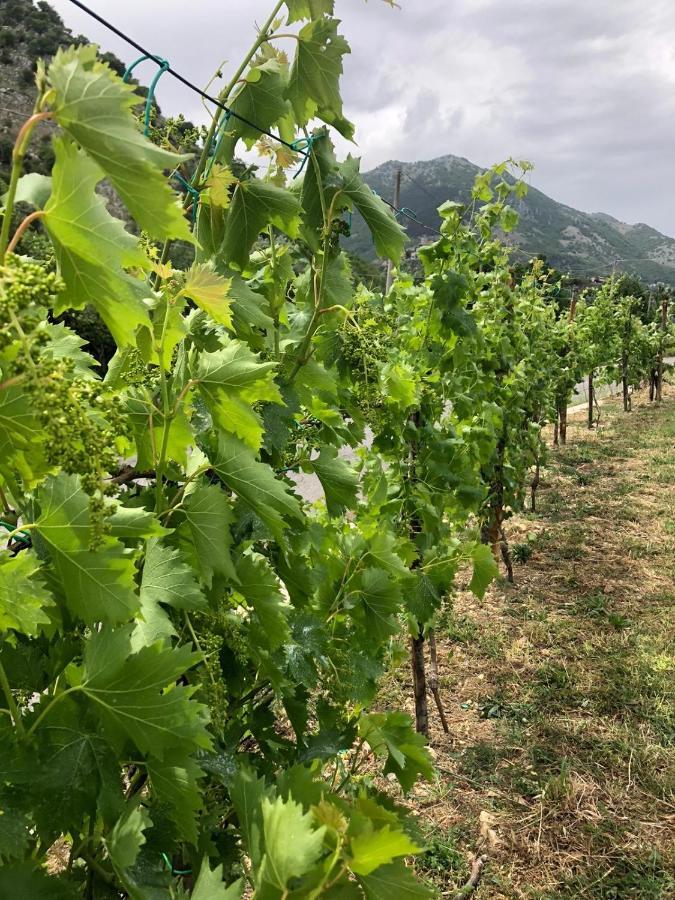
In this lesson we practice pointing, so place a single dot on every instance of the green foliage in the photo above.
(181, 603)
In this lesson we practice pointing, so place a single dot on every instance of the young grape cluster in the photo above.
(78, 420)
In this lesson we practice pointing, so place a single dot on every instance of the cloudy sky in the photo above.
(585, 89)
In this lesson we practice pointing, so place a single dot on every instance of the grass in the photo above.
(560, 690)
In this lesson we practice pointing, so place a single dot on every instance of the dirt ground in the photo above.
(560, 689)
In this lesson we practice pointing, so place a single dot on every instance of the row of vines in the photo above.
(190, 652)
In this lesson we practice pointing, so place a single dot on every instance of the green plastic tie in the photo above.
(171, 868)
(22, 536)
(192, 191)
(303, 145)
(164, 65)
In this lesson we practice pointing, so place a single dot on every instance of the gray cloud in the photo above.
(584, 90)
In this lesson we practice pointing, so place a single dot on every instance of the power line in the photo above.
(178, 76)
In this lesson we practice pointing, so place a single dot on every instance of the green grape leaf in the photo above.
(141, 411)
(153, 624)
(127, 837)
(374, 599)
(23, 599)
(249, 308)
(136, 697)
(485, 569)
(14, 825)
(66, 344)
(371, 849)
(218, 186)
(255, 483)
(259, 586)
(33, 189)
(64, 519)
(338, 479)
(395, 880)
(260, 99)
(230, 381)
(21, 436)
(387, 234)
(92, 248)
(308, 9)
(391, 735)
(314, 79)
(168, 579)
(209, 884)
(78, 773)
(210, 292)
(93, 105)
(23, 881)
(98, 585)
(247, 792)
(174, 782)
(135, 522)
(292, 844)
(205, 532)
(255, 205)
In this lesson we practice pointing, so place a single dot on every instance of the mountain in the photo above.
(583, 244)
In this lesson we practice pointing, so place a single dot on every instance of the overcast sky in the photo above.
(585, 89)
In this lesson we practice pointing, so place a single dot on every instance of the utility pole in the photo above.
(397, 203)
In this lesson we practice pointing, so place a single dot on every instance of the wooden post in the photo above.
(624, 380)
(590, 399)
(397, 203)
(659, 375)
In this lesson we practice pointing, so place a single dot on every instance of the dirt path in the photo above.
(560, 691)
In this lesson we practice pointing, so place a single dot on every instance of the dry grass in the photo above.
(559, 690)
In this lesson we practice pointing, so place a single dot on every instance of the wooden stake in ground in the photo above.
(664, 325)
(590, 398)
(433, 681)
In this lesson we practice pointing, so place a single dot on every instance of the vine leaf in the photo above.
(210, 292)
(373, 848)
(168, 579)
(127, 837)
(174, 782)
(217, 186)
(230, 381)
(485, 570)
(23, 599)
(205, 532)
(374, 600)
(308, 9)
(136, 696)
(256, 204)
(33, 189)
(93, 105)
(387, 234)
(21, 436)
(391, 735)
(394, 880)
(338, 480)
(260, 99)
(98, 585)
(314, 80)
(292, 844)
(255, 483)
(209, 885)
(92, 248)
(259, 586)
(247, 792)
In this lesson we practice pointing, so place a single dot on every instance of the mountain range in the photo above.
(583, 244)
